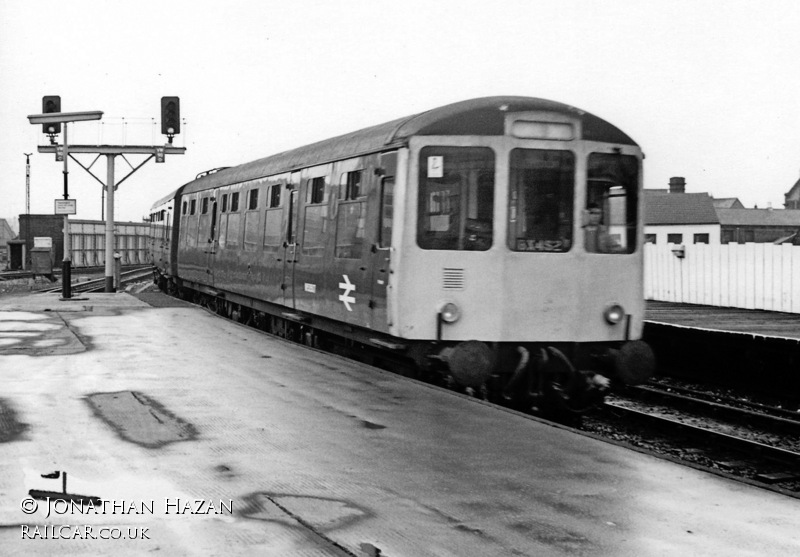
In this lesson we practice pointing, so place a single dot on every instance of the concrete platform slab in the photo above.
(302, 453)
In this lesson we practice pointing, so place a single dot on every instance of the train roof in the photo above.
(483, 116)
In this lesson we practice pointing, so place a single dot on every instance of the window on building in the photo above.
(674, 238)
(650, 238)
(701, 238)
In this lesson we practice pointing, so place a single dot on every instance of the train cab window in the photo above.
(456, 198)
(611, 216)
(252, 200)
(316, 218)
(541, 198)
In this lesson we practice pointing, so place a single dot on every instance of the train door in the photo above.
(290, 244)
(381, 252)
(212, 241)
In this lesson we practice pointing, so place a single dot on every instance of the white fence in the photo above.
(750, 276)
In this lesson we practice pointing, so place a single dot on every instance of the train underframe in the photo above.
(557, 380)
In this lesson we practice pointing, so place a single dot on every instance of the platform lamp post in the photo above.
(56, 118)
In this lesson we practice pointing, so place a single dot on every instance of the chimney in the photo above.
(677, 185)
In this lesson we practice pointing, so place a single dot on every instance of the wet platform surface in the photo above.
(747, 321)
(219, 440)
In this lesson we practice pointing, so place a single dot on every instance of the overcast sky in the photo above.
(710, 89)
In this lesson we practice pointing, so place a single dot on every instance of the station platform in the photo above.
(771, 324)
(203, 437)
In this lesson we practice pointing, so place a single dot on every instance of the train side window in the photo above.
(234, 202)
(456, 198)
(316, 191)
(541, 192)
(252, 200)
(350, 229)
(204, 208)
(387, 208)
(275, 196)
(184, 208)
(224, 203)
(315, 226)
(193, 209)
(350, 185)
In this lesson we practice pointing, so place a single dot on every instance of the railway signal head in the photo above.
(170, 116)
(51, 103)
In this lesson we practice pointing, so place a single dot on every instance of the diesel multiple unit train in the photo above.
(495, 242)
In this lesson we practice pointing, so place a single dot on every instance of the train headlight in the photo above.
(614, 314)
(450, 312)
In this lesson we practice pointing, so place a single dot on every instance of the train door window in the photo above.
(252, 200)
(316, 218)
(273, 218)
(650, 238)
(674, 238)
(292, 228)
(456, 198)
(184, 208)
(193, 209)
(275, 196)
(224, 203)
(611, 217)
(350, 217)
(701, 238)
(234, 220)
(350, 186)
(204, 206)
(234, 202)
(387, 208)
(541, 199)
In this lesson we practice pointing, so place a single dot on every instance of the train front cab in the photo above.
(502, 263)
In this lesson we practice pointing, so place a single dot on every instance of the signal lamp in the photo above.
(450, 312)
(50, 104)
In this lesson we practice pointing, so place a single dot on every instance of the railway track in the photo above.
(762, 446)
(98, 285)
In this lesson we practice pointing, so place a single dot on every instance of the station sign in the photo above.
(66, 206)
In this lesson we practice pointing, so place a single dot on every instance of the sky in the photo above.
(709, 89)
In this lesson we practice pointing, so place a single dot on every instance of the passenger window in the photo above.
(350, 186)
(541, 188)
(194, 207)
(252, 200)
(456, 198)
(234, 202)
(224, 203)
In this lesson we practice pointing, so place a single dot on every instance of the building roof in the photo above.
(679, 208)
(759, 217)
(728, 203)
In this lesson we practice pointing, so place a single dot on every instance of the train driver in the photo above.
(595, 233)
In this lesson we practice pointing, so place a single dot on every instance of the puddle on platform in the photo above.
(139, 419)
